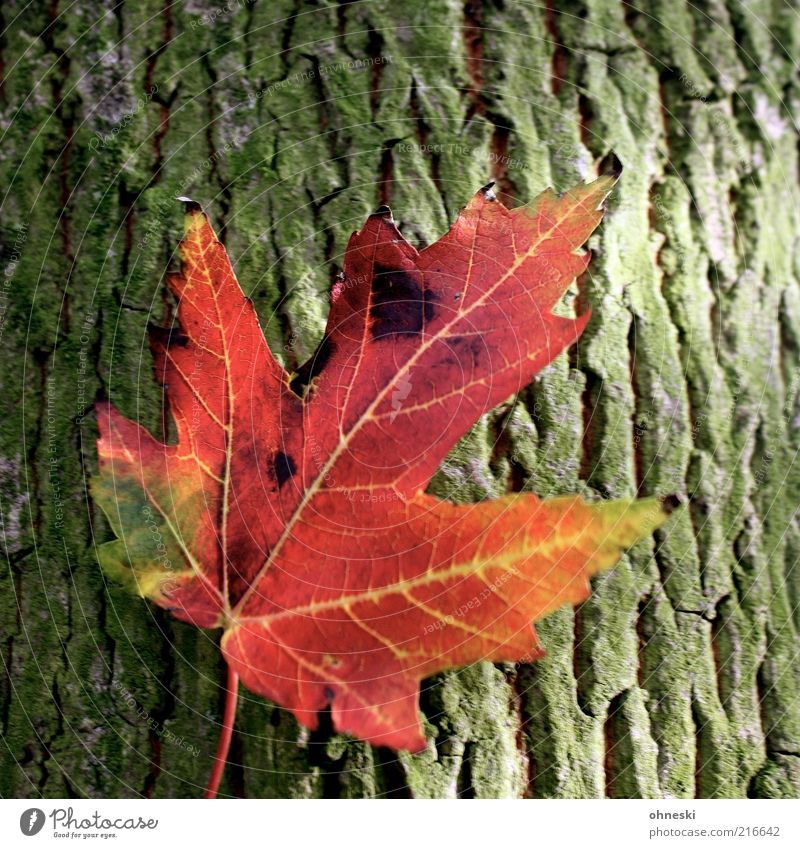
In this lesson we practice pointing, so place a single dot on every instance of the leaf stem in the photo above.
(226, 733)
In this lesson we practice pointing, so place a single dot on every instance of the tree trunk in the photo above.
(290, 122)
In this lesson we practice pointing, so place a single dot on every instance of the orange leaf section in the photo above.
(291, 512)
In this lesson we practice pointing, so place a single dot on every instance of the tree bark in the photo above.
(290, 121)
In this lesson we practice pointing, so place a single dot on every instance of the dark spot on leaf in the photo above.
(468, 347)
(284, 467)
(168, 337)
(399, 304)
(302, 378)
(329, 693)
(239, 557)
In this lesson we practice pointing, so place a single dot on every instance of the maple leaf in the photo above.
(291, 510)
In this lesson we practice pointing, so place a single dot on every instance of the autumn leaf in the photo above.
(291, 509)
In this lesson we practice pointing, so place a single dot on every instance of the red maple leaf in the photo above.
(291, 511)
